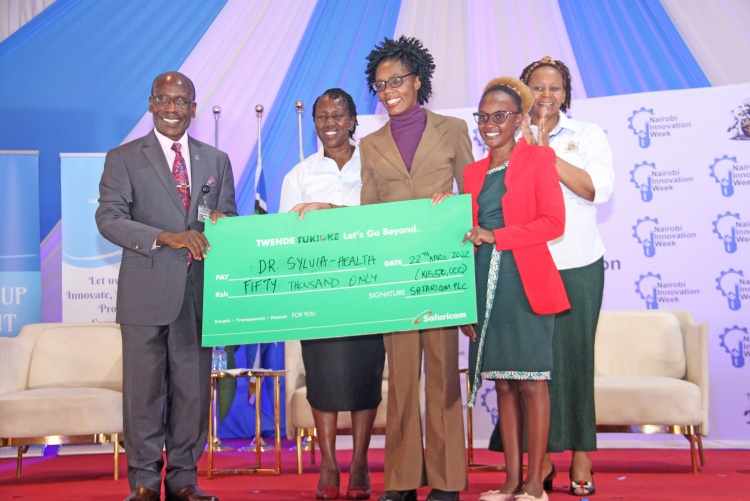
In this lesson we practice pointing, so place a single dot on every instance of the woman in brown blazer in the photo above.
(417, 154)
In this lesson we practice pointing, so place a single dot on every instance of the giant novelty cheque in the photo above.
(390, 267)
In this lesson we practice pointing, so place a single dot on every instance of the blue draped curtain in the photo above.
(633, 45)
(331, 53)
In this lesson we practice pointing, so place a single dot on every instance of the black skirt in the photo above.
(344, 374)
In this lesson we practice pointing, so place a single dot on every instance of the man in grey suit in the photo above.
(145, 206)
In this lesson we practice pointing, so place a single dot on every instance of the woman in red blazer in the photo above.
(517, 207)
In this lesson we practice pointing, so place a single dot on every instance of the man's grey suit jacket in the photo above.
(138, 200)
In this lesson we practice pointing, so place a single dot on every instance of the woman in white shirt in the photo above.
(346, 373)
(584, 164)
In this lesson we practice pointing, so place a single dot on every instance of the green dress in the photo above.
(517, 343)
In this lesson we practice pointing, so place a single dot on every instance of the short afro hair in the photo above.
(334, 94)
(412, 54)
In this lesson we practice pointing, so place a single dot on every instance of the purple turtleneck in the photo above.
(407, 129)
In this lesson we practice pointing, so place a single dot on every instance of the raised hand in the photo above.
(543, 137)
(527, 134)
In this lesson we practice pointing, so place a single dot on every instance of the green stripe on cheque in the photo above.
(389, 267)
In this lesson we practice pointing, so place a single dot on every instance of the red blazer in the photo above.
(534, 214)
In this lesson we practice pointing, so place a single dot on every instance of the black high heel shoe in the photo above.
(547, 482)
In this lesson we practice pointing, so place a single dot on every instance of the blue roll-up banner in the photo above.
(90, 264)
(20, 275)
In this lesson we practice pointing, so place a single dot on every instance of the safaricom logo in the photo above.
(428, 316)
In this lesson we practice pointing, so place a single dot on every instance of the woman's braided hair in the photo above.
(559, 66)
(334, 94)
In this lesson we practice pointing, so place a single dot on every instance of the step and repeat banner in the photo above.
(677, 228)
(90, 263)
(20, 275)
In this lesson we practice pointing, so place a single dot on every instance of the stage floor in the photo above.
(630, 474)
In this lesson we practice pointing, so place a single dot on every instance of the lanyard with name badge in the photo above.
(203, 210)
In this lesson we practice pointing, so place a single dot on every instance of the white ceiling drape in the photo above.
(238, 64)
(716, 33)
(16, 13)
(473, 42)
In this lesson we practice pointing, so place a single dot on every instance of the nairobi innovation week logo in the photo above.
(654, 290)
(731, 229)
(736, 343)
(647, 126)
(650, 234)
(734, 286)
(729, 173)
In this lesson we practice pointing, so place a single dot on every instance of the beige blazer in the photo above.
(443, 153)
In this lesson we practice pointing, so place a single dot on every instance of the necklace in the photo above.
(498, 168)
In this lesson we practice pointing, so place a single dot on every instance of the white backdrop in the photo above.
(677, 228)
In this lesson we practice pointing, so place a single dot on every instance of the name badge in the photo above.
(203, 210)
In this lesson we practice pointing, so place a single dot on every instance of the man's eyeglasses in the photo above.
(498, 117)
(179, 102)
(397, 81)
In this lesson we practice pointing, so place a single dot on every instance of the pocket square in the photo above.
(211, 181)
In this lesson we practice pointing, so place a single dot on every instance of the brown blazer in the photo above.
(442, 154)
